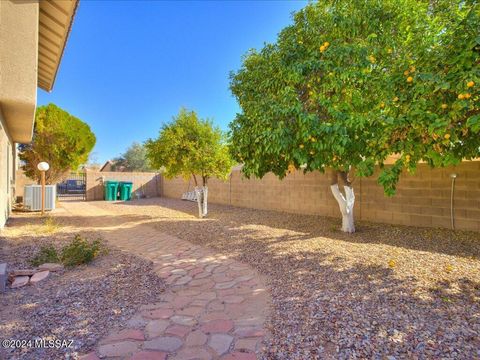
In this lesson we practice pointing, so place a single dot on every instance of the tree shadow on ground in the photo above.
(443, 241)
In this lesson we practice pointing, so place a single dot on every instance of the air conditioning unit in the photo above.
(32, 197)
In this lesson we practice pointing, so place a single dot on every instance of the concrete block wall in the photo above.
(422, 199)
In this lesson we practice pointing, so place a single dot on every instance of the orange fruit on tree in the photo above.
(322, 48)
(406, 72)
(409, 79)
(412, 69)
(291, 168)
(301, 146)
(326, 44)
(470, 84)
(395, 98)
(444, 106)
(447, 136)
(467, 95)
(461, 96)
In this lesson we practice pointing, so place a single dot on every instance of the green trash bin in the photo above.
(111, 190)
(126, 190)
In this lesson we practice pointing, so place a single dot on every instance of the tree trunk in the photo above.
(345, 202)
(205, 201)
(202, 195)
(198, 192)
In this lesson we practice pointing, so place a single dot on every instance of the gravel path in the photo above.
(385, 291)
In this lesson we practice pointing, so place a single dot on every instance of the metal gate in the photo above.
(73, 187)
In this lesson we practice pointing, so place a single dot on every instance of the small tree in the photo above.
(191, 147)
(133, 159)
(352, 82)
(60, 139)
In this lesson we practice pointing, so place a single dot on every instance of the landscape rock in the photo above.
(19, 281)
(23, 272)
(51, 267)
(37, 277)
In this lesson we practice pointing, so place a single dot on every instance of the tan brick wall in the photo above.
(422, 199)
(149, 183)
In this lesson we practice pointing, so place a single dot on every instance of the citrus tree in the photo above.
(350, 83)
(191, 147)
(60, 139)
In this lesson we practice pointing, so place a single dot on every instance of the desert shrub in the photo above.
(50, 225)
(47, 254)
(80, 251)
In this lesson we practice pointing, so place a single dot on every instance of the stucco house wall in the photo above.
(18, 88)
(33, 35)
(7, 166)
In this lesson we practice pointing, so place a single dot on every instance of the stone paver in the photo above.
(220, 343)
(164, 343)
(122, 348)
(196, 338)
(156, 328)
(149, 355)
(127, 334)
(214, 307)
(218, 326)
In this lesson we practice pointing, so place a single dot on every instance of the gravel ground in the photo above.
(82, 304)
(385, 292)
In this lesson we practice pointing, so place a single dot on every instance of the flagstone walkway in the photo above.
(214, 307)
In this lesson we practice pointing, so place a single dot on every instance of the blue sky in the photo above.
(130, 66)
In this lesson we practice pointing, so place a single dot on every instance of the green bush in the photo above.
(47, 254)
(80, 251)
